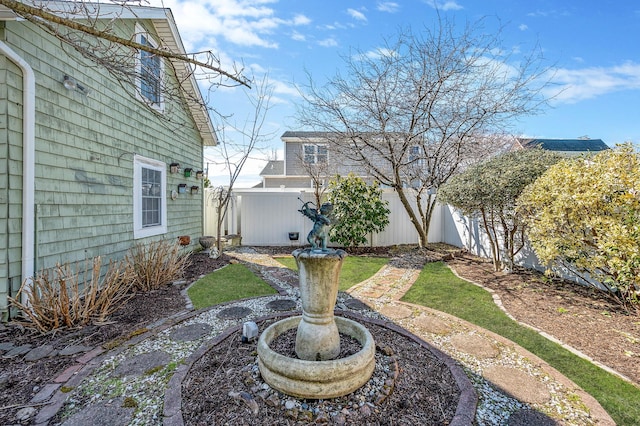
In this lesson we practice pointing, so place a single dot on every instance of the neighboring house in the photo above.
(85, 162)
(569, 147)
(306, 154)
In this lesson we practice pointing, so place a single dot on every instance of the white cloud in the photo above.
(356, 14)
(328, 42)
(523, 27)
(388, 6)
(297, 36)
(375, 53)
(301, 20)
(572, 86)
(241, 22)
(444, 5)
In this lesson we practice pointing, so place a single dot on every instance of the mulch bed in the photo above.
(21, 380)
(224, 387)
(581, 317)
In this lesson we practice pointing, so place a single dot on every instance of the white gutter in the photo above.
(28, 163)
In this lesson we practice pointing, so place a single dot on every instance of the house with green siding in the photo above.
(86, 155)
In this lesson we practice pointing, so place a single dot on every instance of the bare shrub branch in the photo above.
(156, 264)
(61, 298)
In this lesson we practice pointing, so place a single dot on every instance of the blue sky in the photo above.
(593, 47)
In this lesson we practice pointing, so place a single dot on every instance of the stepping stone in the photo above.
(75, 349)
(396, 311)
(17, 351)
(476, 345)
(190, 332)
(529, 417)
(281, 305)
(6, 346)
(139, 364)
(102, 414)
(39, 353)
(518, 384)
(235, 312)
(432, 324)
(356, 305)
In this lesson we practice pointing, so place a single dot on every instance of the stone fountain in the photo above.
(317, 372)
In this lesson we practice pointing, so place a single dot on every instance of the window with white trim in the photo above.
(149, 197)
(315, 154)
(415, 156)
(149, 71)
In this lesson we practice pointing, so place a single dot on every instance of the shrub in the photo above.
(60, 298)
(156, 264)
(489, 191)
(584, 216)
(358, 210)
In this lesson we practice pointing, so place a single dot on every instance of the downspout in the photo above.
(28, 164)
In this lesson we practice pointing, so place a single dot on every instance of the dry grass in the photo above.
(156, 264)
(61, 298)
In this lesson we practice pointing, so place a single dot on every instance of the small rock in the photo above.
(74, 349)
(292, 414)
(272, 400)
(38, 353)
(247, 399)
(6, 346)
(305, 416)
(289, 404)
(365, 411)
(4, 381)
(387, 351)
(322, 417)
(25, 414)
(17, 351)
(340, 419)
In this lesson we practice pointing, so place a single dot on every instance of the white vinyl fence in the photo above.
(268, 216)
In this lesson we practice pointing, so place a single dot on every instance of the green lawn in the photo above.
(232, 282)
(354, 269)
(438, 288)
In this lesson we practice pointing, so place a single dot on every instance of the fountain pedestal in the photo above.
(317, 337)
(317, 372)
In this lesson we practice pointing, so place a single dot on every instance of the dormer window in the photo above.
(315, 154)
(150, 69)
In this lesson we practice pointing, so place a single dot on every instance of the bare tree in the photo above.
(318, 170)
(418, 110)
(234, 153)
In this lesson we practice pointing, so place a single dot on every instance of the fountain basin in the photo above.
(316, 379)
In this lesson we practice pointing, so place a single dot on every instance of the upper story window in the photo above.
(315, 154)
(150, 69)
(149, 197)
(415, 156)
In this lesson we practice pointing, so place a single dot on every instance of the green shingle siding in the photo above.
(84, 158)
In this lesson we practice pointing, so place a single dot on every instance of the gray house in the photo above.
(563, 146)
(306, 155)
(91, 164)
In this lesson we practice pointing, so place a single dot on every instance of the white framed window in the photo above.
(315, 154)
(149, 72)
(149, 197)
(415, 156)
